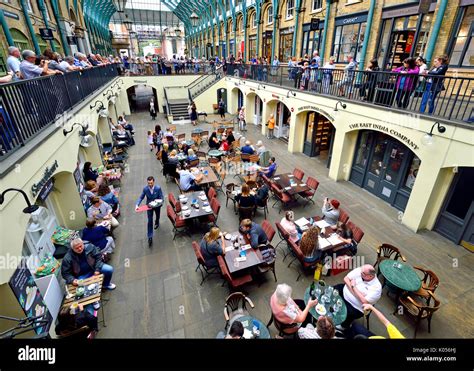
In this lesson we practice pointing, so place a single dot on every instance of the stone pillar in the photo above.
(342, 154)
(123, 108)
(265, 115)
(296, 134)
(249, 109)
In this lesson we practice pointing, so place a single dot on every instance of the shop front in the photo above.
(312, 38)
(282, 122)
(385, 167)
(286, 44)
(319, 135)
(405, 34)
(252, 47)
(267, 45)
(349, 36)
(258, 109)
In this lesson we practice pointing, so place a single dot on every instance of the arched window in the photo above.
(270, 15)
(254, 20)
(290, 8)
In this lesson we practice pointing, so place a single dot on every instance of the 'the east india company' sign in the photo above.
(48, 173)
(385, 129)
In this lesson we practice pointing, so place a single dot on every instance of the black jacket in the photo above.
(70, 267)
(435, 76)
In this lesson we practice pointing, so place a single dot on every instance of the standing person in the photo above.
(349, 73)
(316, 58)
(405, 82)
(275, 67)
(13, 62)
(242, 123)
(421, 63)
(151, 192)
(152, 109)
(222, 108)
(150, 140)
(367, 89)
(434, 83)
(328, 70)
(194, 115)
(158, 138)
(313, 76)
(271, 126)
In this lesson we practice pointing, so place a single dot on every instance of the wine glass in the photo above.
(324, 299)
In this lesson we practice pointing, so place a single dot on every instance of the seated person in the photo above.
(69, 321)
(212, 245)
(288, 224)
(269, 171)
(124, 135)
(213, 141)
(345, 234)
(230, 137)
(91, 189)
(108, 196)
(183, 147)
(191, 155)
(262, 193)
(173, 158)
(101, 210)
(84, 261)
(254, 233)
(358, 331)
(330, 211)
(224, 144)
(99, 236)
(236, 331)
(188, 181)
(361, 287)
(260, 148)
(325, 329)
(289, 311)
(125, 124)
(309, 245)
(247, 149)
(245, 199)
(90, 174)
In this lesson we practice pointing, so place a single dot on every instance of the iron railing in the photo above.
(27, 107)
(450, 98)
(169, 68)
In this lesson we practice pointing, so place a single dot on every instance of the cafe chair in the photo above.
(179, 224)
(236, 306)
(268, 265)
(254, 158)
(232, 282)
(220, 131)
(266, 180)
(357, 233)
(387, 251)
(172, 128)
(216, 207)
(174, 204)
(298, 173)
(280, 196)
(284, 237)
(193, 163)
(181, 137)
(205, 136)
(211, 193)
(176, 180)
(429, 282)
(197, 139)
(245, 157)
(295, 249)
(264, 206)
(221, 174)
(283, 328)
(268, 229)
(246, 212)
(202, 156)
(83, 332)
(203, 268)
(229, 188)
(343, 216)
(313, 184)
(420, 308)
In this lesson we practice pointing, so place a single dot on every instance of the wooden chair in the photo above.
(270, 265)
(205, 136)
(221, 174)
(179, 224)
(280, 196)
(295, 249)
(174, 204)
(172, 128)
(246, 212)
(245, 157)
(220, 131)
(254, 159)
(193, 163)
(176, 180)
(202, 156)
(387, 251)
(429, 283)
(229, 188)
(357, 233)
(298, 173)
(211, 193)
(283, 328)
(181, 137)
(202, 266)
(418, 307)
(268, 229)
(233, 283)
(236, 305)
(313, 184)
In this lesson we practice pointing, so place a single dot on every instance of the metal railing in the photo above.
(450, 98)
(169, 68)
(27, 107)
(202, 83)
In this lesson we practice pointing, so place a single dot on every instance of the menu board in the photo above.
(28, 295)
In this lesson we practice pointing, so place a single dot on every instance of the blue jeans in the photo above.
(429, 96)
(106, 270)
(149, 214)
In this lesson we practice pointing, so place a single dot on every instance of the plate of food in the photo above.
(320, 309)
(228, 236)
(184, 200)
(30, 296)
(185, 207)
(203, 198)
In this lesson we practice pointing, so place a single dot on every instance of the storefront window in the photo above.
(310, 127)
(267, 47)
(463, 49)
(286, 41)
(397, 153)
(311, 41)
(363, 151)
(252, 48)
(348, 41)
(270, 15)
(412, 173)
(376, 167)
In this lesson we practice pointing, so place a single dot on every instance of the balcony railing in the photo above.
(30, 106)
(155, 69)
(450, 98)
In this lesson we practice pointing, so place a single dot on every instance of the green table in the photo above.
(215, 153)
(189, 142)
(182, 157)
(197, 131)
(337, 318)
(247, 322)
(403, 278)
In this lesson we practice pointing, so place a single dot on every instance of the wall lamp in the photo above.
(27, 210)
(428, 137)
(343, 105)
(260, 85)
(107, 92)
(86, 139)
(101, 107)
(290, 92)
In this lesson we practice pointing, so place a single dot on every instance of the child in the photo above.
(150, 140)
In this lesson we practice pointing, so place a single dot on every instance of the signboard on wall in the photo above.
(28, 295)
(314, 24)
(46, 33)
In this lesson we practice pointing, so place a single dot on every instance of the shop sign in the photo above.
(314, 108)
(140, 81)
(267, 34)
(275, 96)
(28, 295)
(351, 20)
(8, 14)
(252, 89)
(287, 30)
(46, 190)
(314, 24)
(46, 34)
(48, 173)
(385, 129)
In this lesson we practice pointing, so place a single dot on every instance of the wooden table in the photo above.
(330, 240)
(211, 177)
(195, 212)
(285, 182)
(84, 300)
(254, 256)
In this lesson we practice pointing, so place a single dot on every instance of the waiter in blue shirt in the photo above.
(152, 192)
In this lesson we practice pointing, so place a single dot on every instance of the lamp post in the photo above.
(194, 19)
(27, 210)
(120, 5)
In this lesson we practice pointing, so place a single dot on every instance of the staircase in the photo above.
(179, 110)
(202, 84)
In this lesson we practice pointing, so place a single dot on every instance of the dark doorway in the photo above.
(318, 134)
(139, 97)
(222, 93)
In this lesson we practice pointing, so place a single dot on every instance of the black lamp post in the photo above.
(27, 210)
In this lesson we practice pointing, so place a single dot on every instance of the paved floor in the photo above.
(158, 292)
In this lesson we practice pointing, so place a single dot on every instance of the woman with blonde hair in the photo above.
(211, 246)
(245, 199)
(309, 245)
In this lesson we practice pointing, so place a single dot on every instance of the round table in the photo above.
(247, 322)
(403, 278)
(337, 318)
(215, 153)
(189, 142)
(197, 131)
(182, 157)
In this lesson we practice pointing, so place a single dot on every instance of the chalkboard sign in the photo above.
(46, 190)
(28, 295)
(314, 24)
(46, 34)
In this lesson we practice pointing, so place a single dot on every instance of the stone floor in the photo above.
(158, 293)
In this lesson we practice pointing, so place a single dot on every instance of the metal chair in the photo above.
(202, 263)
(236, 305)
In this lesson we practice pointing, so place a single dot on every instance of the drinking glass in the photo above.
(324, 299)
(339, 303)
(317, 292)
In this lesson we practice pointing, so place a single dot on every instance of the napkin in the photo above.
(303, 184)
(246, 247)
(229, 248)
(287, 188)
(277, 178)
(241, 259)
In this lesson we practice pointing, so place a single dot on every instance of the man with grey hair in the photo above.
(361, 287)
(84, 261)
(289, 311)
(13, 62)
(68, 65)
(30, 70)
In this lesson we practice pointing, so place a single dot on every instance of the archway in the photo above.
(253, 108)
(139, 97)
(236, 100)
(282, 116)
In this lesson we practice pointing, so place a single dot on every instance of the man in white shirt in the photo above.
(361, 287)
(13, 62)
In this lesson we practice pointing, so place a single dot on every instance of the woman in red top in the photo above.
(224, 144)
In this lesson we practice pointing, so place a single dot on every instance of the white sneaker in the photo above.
(340, 328)
(96, 305)
(111, 286)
